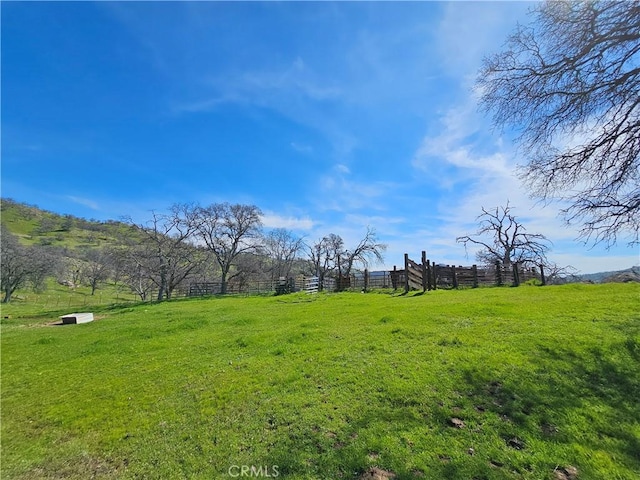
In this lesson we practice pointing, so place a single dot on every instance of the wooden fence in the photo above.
(428, 275)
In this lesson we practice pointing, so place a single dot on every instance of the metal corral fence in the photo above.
(300, 283)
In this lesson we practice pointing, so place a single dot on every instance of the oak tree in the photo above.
(227, 231)
(569, 83)
(502, 238)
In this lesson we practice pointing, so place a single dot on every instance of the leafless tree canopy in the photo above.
(227, 231)
(282, 247)
(330, 257)
(368, 249)
(501, 237)
(570, 84)
(20, 265)
(165, 255)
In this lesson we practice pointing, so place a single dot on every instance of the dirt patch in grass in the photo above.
(82, 467)
(376, 473)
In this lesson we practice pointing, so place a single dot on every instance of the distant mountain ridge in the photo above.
(627, 275)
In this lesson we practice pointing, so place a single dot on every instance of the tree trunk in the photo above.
(223, 282)
(7, 295)
(163, 287)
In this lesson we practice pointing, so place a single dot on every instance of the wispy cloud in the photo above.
(301, 147)
(280, 88)
(342, 168)
(469, 31)
(476, 169)
(338, 191)
(366, 110)
(85, 202)
(275, 220)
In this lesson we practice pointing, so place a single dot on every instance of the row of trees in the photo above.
(226, 243)
(222, 242)
(190, 238)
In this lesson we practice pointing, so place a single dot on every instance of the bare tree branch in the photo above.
(504, 239)
(570, 84)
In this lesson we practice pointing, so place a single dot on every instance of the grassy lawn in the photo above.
(61, 299)
(499, 383)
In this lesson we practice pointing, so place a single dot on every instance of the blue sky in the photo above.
(330, 117)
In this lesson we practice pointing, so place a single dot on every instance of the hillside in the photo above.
(619, 276)
(35, 226)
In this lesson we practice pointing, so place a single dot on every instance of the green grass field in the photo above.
(497, 383)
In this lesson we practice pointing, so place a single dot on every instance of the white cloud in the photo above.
(474, 169)
(296, 77)
(84, 202)
(301, 148)
(207, 104)
(345, 195)
(342, 168)
(275, 220)
(469, 31)
(283, 88)
(596, 263)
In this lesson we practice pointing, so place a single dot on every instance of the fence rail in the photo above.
(426, 275)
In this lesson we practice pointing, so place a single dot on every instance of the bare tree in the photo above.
(501, 237)
(135, 275)
(555, 274)
(282, 248)
(165, 253)
(368, 249)
(227, 231)
(247, 268)
(325, 256)
(97, 266)
(570, 84)
(70, 271)
(20, 265)
(330, 257)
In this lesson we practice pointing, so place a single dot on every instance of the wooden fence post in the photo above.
(394, 278)
(406, 273)
(498, 273)
(474, 269)
(429, 285)
(424, 271)
(366, 279)
(434, 273)
(455, 277)
(516, 275)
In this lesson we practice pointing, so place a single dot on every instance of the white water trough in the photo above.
(73, 318)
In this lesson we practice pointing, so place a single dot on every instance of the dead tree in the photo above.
(502, 238)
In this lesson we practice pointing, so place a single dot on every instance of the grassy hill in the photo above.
(502, 383)
(35, 226)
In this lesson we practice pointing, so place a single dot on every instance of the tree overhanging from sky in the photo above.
(569, 83)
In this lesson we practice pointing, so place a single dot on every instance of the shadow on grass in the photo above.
(590, 398)
(526, 422)
(411, 294)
